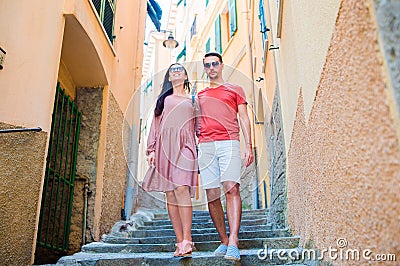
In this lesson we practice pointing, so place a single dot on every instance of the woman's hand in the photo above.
(151, 158)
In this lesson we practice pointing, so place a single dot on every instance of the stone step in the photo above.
(164, 216)
(196, 237)
(156, 224)
(202, 219)
(249, 257)
(129, 247)
(170, 232)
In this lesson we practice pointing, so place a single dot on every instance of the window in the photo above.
(106, 12)
(182, 54)
(193, 29)
(232, 17)
(218, 40)
(208, 45)
(149, 85)
(263, 23)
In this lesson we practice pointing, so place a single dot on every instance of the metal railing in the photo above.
(15, 130)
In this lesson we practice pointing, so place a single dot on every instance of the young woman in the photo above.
(171, 153)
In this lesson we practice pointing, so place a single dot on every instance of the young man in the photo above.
(219, 151)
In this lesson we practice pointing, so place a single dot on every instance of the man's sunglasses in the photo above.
(176, 69)
(213, 63)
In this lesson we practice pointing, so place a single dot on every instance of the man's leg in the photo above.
(217, 213)
(233, 210)
(210, 180)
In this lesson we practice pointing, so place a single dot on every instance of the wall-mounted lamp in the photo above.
(2, 57)
(170, 43)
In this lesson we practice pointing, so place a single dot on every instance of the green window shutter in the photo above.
(207, 2)
(182, 54)
(218, 41)
(193, 29)
(149, 85)
(232, 17)
(97, 5)
(108, 21)
(106, 11)
(208, 45)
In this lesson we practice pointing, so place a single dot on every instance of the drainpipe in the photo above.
(131, 173)
(272, 163)
(250, 53)
(86, 193)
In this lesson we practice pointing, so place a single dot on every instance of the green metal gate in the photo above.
(58, 190)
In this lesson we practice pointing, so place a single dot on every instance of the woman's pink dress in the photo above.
(172, 137)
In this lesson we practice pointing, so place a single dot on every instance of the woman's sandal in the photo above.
(177, 252)
(186, 248)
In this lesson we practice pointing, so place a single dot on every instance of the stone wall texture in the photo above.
(388, 20)
(275, 141)
(115, 168)
(89, 102)
(22, 160)
(344, 162)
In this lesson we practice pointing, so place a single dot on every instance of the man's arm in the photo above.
(246, 129)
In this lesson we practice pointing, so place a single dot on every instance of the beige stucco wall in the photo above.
(344, 161)
(115, 171)
(21, 167)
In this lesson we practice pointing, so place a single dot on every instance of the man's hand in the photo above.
(248, 155)
(151, 158)
(246, 129)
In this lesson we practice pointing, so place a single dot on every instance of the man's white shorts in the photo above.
(219, 161)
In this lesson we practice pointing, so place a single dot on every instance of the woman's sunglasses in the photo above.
(176, 69)
(213, 63)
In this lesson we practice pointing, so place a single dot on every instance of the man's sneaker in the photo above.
(232, 253)
(221, 250)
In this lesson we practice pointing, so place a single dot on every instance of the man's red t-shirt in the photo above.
(219, 107)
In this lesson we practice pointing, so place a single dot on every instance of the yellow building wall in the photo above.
(303, 48)
(36, 60)
(27, 85)
(30, 71)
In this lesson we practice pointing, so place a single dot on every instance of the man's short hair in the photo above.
(213, 54)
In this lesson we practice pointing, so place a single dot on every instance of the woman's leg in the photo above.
(182, 194)
(174, 215)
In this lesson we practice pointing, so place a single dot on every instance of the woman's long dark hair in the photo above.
(167, 89)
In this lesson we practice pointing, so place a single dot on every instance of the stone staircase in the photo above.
(153, 244)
